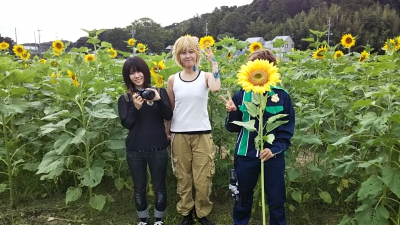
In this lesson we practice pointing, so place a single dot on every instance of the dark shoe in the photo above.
(205, 221)
(187, 220)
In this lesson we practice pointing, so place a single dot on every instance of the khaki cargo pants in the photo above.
(193, 159)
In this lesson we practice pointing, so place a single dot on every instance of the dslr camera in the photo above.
(146, 94)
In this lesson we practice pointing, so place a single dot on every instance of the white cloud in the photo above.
(64, 19)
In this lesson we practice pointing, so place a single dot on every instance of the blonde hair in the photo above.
(185, 43)
(262, 54)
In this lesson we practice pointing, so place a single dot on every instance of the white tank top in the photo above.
(191, 98)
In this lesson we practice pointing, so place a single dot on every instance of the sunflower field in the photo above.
(61, 134)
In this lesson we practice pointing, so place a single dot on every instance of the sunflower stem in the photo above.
(8, 160)
(261, 134)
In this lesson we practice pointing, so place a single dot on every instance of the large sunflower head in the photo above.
(19, 50)
(131, 42)
(258, 76)
(58, 46)
(141, 47)
(25, 56)
(255, 46)
(113, 52)
(206, 42)
(89, 57)
(348, 41)
(320, 53)
(364, 55)
(4, 45)
(338, 54)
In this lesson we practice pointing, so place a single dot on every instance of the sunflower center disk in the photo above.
(348, 40)
(258, 78)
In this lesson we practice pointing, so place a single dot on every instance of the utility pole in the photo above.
(40, 49)
(206, 27)
(133, 36)
(329, 29)
(133, 32)
(37, 47)
(16, 40)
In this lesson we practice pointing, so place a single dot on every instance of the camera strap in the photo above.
(127, 97)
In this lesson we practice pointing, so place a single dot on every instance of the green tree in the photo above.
(116, 37)
(150, 33)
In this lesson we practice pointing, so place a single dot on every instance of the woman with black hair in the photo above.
(142, 111)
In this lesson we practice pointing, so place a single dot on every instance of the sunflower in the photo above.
(25, 56)
(89, 57)
(320, 53)
(364, 55)
(206, 42)
(73, 77)
(258, 76)
(141, 47)
(54, 64)
(397, 43)
(158, 66)
(75, 82)
(113, 53)
(338, 54)
(53, 78)
(58, 46)
(71, 74)
(4, 45)
(42, 61)
(131, 42)
(229, 55)
(255, 46)
(390, 47)
(26, 65)
(19, 50)
(56, 53)
(348, 41)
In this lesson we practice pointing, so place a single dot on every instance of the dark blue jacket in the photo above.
(245, 143)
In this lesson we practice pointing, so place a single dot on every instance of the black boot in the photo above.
(205, 221)
(188, 220)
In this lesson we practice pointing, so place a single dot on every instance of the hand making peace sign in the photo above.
(229, 104)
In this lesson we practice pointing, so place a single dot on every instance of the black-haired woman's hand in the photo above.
(137, 101)
(156, 94)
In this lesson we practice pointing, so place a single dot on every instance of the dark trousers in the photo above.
(157, 162)
(248, 170)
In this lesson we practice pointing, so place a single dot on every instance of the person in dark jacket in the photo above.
(247, 157)
(142, 111)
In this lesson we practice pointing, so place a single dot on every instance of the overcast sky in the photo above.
(64, 19)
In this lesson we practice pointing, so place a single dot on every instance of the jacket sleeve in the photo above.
(234, 115)
(127, 112)
(284, 132)
(165, 105)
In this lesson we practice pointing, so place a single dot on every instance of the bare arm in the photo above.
(171, 96)
(213, 79)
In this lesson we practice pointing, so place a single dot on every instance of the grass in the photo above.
(52, 210)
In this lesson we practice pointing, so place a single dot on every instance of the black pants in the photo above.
(157, 162)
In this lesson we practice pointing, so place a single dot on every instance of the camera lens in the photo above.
(148, 94)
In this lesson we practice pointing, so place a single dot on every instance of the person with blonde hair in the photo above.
(192, 146)
(247, 165)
